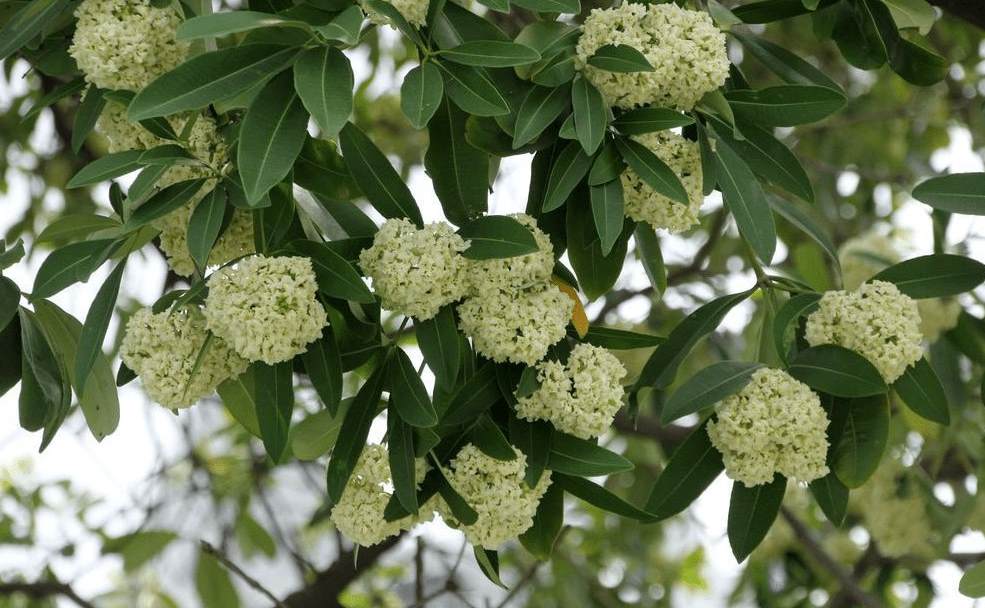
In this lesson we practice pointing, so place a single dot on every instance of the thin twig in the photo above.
(232, 567)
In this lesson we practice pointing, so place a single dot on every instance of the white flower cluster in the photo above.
(514, 312)
(120, 133)
(236, 241)
(894, 512)
(685, 48)
(579, 398)
(775, 424)
(414, 270)
(414, 11)
(876, 321)
(497, 492)
(162, 350)
(125, 44)
(644, 204)
(517, 326)
(358, 514)
(266, 308)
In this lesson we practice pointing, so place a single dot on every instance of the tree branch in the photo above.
(43, 590)
(324, 590)
(246, 578)
(972, 11)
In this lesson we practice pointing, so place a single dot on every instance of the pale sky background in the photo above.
(114, 470)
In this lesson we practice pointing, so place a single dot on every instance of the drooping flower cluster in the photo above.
(414, 270)
(265, 308)
(894, 512)
(775, 424)
(685, 48)
(498, 493)
(514, 312)
(414, 11)
(125, 44)
(358, 514)
(579, 398)
(876, 321)
(644, 204)
(162, 349)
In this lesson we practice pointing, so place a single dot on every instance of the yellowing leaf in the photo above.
(578, 317)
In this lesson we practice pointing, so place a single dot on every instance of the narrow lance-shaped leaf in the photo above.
(691, 468)
(275, 404)
(619, 58)
(323, 78)
(652, 170)
(707, 387)
(95, 326)
(205, 225)
(232, 22)
(568, 170)
(746, 202)
(539, 109)
(583, 457)
(400, 455)
(459, 172)
(421, 93)
(323, 364)
(352, 435)
(935, 276)
(837, 371)
(497, 236)
(607, 211)
(408, 395)
(922, 391)
(957, 193)
(376, 177)
(751, 514)
(491, 53)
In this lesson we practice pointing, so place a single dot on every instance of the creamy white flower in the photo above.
(685, 48)
(416, 271)
(414, 11)
(863, 257)
(518, 272)
(498, 493)
(937, 315)
(266, 308)
(644, 204)
(775, 424)
(236, 241)
(125, 44)
(894, 512)
(358, 514)
(120, 133)
(580, 397)
(162, 350)
(516, 326)
(877, 321)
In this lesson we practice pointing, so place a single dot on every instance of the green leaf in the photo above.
(438, 339)
(232, 22)
(345, 27)
(691, 468)
(803, 218)
(139, 548)
(323, 364)
(321, 170)
(10, 296)
(934, 276)
(376, 177)
(534, 440)
(86, 116)
(70, 264)
(785, 64)
(591, 114)
(863, 439)
(973, 581)
(746, 201)
(607, 211)
(421, 94)
(706, 388)
(832, 496)
(751, 513)
(568, 170)
(785, 105)
(652, 170)
(271, 137)
(649, 254)
(459, 172)
(59, 92)
(550, 6)
(922, 391)
(274, 405)
(596, 272)
(167, 154)
(496, 236)
(619, 58)
(793, 309)
(837, 371)
(99, 401)
(583, 457)
(337, 278)
(164, 202)
(205, 225)
(539, 539)
(489, 564)
(397, 19)
(620, 339)
(607, 165)
(600, 497)
(489, 438)
(45, 389)
(400, 454)
(473, 91)
(323, 79)
(459, 508)
(315, 435)
(477, 395)
(957, 193)
(96, 323)
(28, 22)
(106, 168)
(408, 395)
(539, 109)
(661, 367)
(11, 255)
(491, 53)
(918, 14)
(252, 538)
(650, 119)
(215, 76)
(352, 435)
(212, 582)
